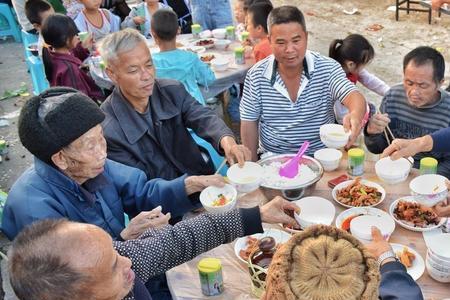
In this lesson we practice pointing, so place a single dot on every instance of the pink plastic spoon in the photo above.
(290, 169)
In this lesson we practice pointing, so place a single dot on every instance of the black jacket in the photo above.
(170, 151)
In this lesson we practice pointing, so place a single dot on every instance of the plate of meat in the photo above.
(244, 246)
(207, 43)
(358, 193)
(414, 216)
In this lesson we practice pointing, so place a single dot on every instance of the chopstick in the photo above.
(386, 130)
(224, 161)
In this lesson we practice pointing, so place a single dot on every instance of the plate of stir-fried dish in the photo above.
(414, 216)
(358, 193)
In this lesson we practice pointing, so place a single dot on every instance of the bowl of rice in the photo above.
(310, 171)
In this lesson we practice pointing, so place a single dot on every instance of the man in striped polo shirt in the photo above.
(290, 94)
(415, 108)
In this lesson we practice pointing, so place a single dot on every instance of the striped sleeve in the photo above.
(340, 86)
(250, 107)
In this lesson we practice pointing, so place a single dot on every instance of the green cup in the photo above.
(239, 56)
(244, 35)
(83, 35)
(196, 29)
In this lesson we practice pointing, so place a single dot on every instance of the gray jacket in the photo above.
(169, 151)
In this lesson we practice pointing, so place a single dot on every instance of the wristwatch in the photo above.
(386, 255)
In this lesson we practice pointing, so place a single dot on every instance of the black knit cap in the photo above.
(62, 125)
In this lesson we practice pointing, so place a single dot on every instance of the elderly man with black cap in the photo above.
(72, 177)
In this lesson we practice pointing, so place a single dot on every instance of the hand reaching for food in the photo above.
(274, 211)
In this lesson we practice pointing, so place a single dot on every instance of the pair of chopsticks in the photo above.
(388, 132)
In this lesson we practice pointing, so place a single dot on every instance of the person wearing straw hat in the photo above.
(417, 107)
(327, 263)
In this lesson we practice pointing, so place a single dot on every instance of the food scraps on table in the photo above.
(406, 257)
(415, 214)
(358, 194)
(220, 201)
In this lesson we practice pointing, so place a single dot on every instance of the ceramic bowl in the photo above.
(220, 64)
(222, 44)
(393, 171)
(438, 261)
(439, 246)
(205, 34)
(245, 179)
(219, 33)
(211, 193)
(429, 189)
(329, 158)
(361, 227)
(314, 210)
(437, 273)
(334, 135)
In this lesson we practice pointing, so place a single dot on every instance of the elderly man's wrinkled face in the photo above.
(85, 157)
(288, 42)
(133, 73)
(109, 272)
(420, 87)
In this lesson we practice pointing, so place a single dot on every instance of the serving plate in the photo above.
(279, 236)
(418, 265)
(363, 181)
(408, 226)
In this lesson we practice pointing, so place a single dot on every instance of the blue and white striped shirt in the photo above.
(284, 125)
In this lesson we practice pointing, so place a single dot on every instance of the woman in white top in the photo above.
(140, 17)
(354, 53)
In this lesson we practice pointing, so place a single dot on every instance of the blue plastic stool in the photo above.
(8, 24)
(216, 158)
(28, 39)
(37, 73)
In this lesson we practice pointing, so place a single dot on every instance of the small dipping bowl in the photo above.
(429, 189)
(245, 179)
(334, 135)
(392, 171)
(329, 158)
(220, 64)
(361, 227)
(211, 193)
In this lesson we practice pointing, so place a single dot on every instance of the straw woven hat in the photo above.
(325, 263)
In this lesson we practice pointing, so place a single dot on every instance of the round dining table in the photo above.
(184, 280)
(234, 74)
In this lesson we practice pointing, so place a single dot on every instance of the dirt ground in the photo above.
(325, 21)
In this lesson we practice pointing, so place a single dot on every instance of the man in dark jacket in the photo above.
(147, 121)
